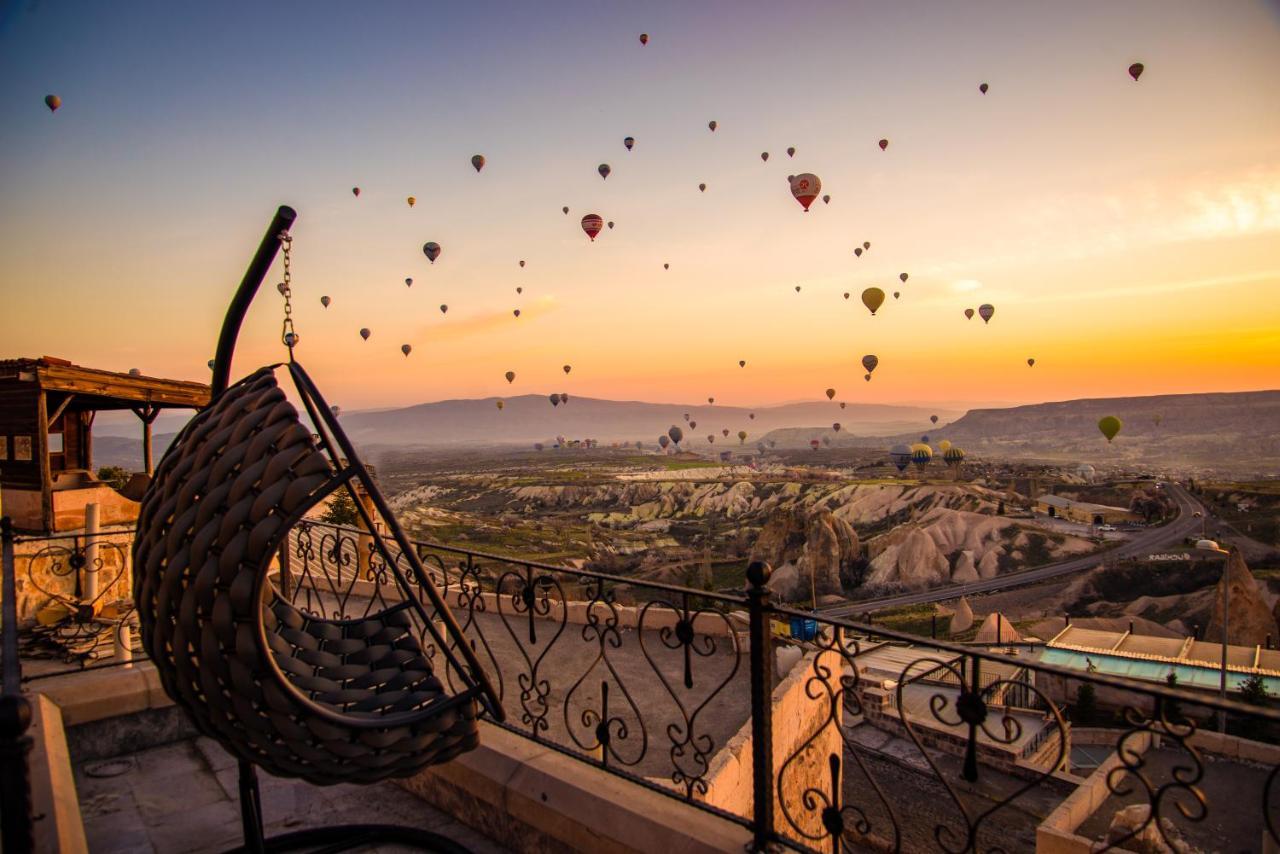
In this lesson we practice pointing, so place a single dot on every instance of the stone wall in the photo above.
(44, 574)
(805, 735)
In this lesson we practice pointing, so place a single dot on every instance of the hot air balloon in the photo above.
(712, 124)
(566, 210)
(815, 444)
(831, 394)
(610, 224)
(663, 441)
(336, 410)
(896, 294)
(842, 404)
(742, 363)
(1110, 426)
(884, 143)
(675, 434)
(751, 415)
(693, 425)
(846, 294)
(53, 102)
(444, 309)
(511, 376)
(791, 151)
(902, 277)
(1135, 71)
(702, 188)
(797, 289)
(405, 348)
(869, 363)
(521, 263)
(324, 301)
(408, 283)
(211, 364)
(836, 427)
(519, 289)
(365, 333)
(568, 368)
(555, 399)
(355, 191)
(968, 314)
(858, 251)
(412, 200)
(432, 250)
(900, 456)
(725, 432)
(477, 160)
(591, 224)
(764, 155)
(982, 87)
(1031, 363)
(867, 377)
(686, 418)
(629, 142)
(742, 436)
(805, 187)
(953, 457)
(516, 313)
(826, 200)
(944, 445)
(564, 397)
(644, 38)
(711, 400)
(985, 311)
(500, 404)
(921, 454)
(666, 266)
(873, 298)
(604, 170)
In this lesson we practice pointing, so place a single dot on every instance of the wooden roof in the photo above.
(102, 390)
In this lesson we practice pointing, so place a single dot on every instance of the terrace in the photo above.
(648, 717)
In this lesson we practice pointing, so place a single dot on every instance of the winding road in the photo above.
(1144, 542)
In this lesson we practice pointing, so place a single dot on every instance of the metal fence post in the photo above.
(759, 609)
(16, 831)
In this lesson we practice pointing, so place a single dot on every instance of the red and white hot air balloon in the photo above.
(805, 187)
(591, 224)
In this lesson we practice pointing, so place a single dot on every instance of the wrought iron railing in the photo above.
(679, 690)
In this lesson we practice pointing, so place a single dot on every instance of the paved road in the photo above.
(1145, 541)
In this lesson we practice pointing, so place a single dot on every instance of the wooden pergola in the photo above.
(47, 408)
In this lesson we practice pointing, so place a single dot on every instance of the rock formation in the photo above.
(996, 628)
(1251, 621)
(962, 621)
(806, 554)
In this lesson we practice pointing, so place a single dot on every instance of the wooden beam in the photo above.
(147, 414)
(42, 456)
(62, 407)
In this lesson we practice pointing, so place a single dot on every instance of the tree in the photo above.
(116, 476)
(1086, 708)
(1253, 690)
(341, 510)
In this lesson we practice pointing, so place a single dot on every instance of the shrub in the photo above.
(116, 476)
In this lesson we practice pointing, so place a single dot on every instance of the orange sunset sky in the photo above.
(1128, 234)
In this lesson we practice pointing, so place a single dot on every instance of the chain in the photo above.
(287, 335)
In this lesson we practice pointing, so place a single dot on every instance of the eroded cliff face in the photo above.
(1251, 622)
(807, 554)
(954, 546)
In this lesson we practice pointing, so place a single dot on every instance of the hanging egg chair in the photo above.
(299, 695)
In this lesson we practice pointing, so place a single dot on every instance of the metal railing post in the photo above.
(761, 652)
(16, 830)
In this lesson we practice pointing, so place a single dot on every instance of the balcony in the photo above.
(645, 716)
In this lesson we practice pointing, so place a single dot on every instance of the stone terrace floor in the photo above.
(183, 797)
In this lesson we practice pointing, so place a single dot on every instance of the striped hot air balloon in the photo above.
(591, 224)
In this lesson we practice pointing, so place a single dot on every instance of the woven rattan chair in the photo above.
(326, 700)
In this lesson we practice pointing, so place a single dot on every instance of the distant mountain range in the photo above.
(1230, 432)
(532, 418)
